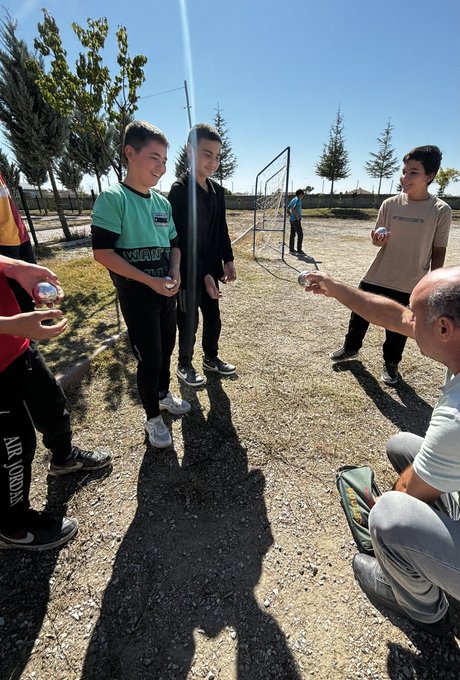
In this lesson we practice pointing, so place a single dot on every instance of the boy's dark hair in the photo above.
(203, 131)
(429, 156)
(139, 133)
(299, 192)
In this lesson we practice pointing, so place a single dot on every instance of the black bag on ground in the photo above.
(357, 490)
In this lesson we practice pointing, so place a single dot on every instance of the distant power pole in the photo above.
(188, 107)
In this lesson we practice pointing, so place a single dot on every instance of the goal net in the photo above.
(270, 209)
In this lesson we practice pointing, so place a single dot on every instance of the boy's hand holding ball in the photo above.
(380, 236)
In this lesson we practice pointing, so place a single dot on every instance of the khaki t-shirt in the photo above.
(416, 227)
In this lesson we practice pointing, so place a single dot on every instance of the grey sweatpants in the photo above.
(417, 545)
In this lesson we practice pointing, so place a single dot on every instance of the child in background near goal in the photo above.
(198, 206)
(295, 218)
(418, 226)
(134, 237)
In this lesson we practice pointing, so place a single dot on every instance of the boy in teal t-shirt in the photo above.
(134, 237)
(295, 219)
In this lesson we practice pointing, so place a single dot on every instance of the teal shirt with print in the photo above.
(295, 203)
(144, 225)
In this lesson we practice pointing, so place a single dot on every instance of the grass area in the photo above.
(90, 308)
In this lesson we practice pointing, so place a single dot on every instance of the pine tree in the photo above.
(69, 174)
(33, 129)
(333, 164)
(181, 165)
(9, 170)
(90, 153)
(228, 161)
(384, 163)
(35, 174)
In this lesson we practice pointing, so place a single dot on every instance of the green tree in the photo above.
(383, 164)
(228, 161)
(9, 170)
(444, 176)
(181, 165)
(69, 174)
(333, 164)
(308, 189)
(34, 130)
(90, 90)
(89, 153)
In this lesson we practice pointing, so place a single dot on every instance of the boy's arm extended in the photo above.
(376, 309)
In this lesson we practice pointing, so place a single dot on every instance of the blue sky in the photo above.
(280, 70)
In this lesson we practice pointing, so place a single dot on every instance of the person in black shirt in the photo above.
(198, 208)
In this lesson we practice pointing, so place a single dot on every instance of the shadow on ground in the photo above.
(25, 585)
(433, 657)
(412, 415)
(189, 563)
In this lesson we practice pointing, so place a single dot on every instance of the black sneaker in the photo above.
(42, 532)
(82, 460)
(301, 252)
(189, 376)
(343, 354)
(218, 366)
(390, 374)
(373, 582)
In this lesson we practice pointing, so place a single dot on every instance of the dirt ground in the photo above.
(228, 557)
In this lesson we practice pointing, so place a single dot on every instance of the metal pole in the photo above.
(285, 211)
(29, 218)
(188, 107)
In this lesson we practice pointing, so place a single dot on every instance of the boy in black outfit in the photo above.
(198, 207)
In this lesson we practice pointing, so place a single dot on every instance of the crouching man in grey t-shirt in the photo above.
(414, 528)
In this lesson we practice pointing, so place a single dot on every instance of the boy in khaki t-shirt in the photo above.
(418, 226)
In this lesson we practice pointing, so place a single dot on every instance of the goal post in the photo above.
(270, 207)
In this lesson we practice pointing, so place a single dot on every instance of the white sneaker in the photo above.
(174, 404)
(158, 433)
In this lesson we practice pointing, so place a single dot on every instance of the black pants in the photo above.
(29, 395)
(187, 323)
(394, 344)
(151, 322)
(296, 228)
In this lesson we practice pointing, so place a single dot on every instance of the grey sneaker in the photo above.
(218, 366)
(158, 434)
(343, 354)
(189, 376)
(41, 532)
(373, 582)
(79, 459)
(174, 405)
(390, 374)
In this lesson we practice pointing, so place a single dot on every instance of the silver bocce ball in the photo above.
(302, 278)
(45, 292)
(168, 286)
(381, 231)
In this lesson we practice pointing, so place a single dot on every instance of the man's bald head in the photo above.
(439, 291)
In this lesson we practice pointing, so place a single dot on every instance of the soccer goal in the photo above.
(270, 207)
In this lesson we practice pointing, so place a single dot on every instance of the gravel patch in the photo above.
(228, 556)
